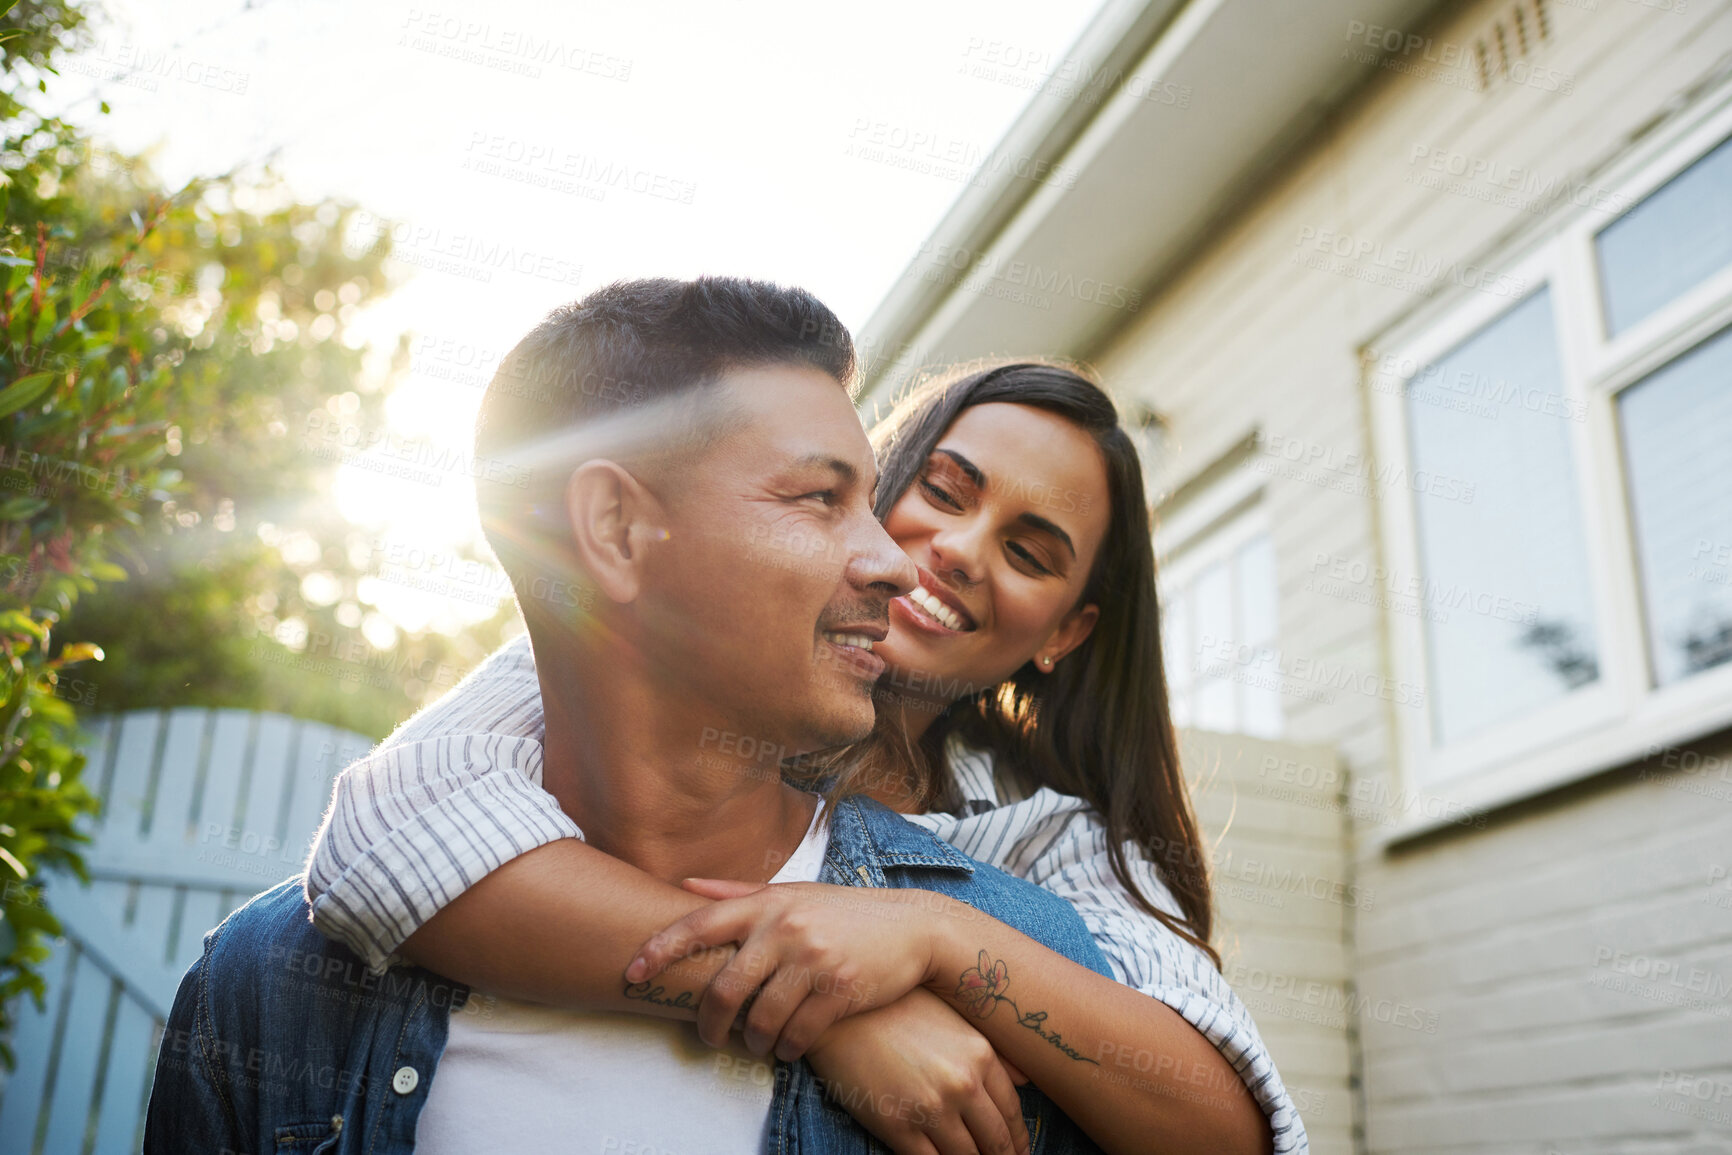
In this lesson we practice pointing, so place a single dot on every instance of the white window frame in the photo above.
(1620, 718)
(1188, 525)
(1210, 528)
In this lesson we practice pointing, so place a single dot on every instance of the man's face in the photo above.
(775, 573)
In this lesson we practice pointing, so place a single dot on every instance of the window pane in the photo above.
(1256, 581)
(1500, 535)
(1260, 710)
(1213, 595)
(1671, 242)
(1212, 705)
(1176, 631)
(1254, 574)
(1677, 431)
(1219, 629)
(1181, 706)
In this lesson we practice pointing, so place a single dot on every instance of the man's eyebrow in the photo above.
(842, 469)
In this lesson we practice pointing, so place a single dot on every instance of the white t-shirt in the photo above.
(526, 1078)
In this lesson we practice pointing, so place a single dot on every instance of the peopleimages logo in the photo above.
(1351, 471)
(142, 66)
(974, 268)
(1395, 266)
(1333, 1005)
(1496, 182)
(1287, 880)
(1661, 980)
(464, 254)
(932, 153)
(1329, 568)
(517, 50)
(1296, 675)
(351, 444)
(552, 165)
(1445, 61)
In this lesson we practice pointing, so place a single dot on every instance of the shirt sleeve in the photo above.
(413, 826)
(1145, 954)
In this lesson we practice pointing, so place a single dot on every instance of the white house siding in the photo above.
(1488, 1025)
(1272, 813)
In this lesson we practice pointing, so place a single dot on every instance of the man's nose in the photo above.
(879, 562)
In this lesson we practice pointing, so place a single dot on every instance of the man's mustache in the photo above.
(873, 613)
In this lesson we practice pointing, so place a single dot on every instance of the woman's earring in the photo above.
(1047, 662)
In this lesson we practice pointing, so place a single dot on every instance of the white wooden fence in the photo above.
(201, 810)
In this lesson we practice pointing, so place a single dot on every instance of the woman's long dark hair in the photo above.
(1097, 726)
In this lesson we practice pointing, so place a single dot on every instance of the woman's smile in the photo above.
(932, 607)
(982, 512)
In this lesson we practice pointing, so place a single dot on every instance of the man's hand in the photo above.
(809, 955)
(922, 1080)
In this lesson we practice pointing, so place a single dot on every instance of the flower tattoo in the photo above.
(981, 988)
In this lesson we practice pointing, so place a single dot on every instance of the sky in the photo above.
(523, 154)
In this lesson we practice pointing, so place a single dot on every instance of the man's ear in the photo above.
(613, 518)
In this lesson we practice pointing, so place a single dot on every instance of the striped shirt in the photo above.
(456, 792)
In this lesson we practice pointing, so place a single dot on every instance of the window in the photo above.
(1677, 427)
(1576, 516)
(1672, 241)
(1524, 633)
(1218, 597)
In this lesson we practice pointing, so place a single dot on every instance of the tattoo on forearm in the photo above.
(658, 995)
(980, 991)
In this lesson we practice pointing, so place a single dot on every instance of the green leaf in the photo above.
(45, 323)
(25, 390)
(19, 622)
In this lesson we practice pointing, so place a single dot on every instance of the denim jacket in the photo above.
(281, 1041)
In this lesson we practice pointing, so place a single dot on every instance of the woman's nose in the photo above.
(956, 553)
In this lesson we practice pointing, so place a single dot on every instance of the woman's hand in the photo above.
(917, 1076)
(810, 954)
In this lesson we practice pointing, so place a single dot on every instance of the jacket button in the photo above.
(405, 1080)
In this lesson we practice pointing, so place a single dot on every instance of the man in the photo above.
(659, 429)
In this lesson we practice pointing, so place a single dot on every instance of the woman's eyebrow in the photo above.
(1032, 520)
(1036, 521)
(968, 467)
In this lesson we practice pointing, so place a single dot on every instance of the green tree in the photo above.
(247, 577)
(163, 508)
(82, 391)
(250, 578)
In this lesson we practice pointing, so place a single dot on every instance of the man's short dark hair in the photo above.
(646, 347)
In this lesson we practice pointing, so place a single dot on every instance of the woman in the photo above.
(1024, 710)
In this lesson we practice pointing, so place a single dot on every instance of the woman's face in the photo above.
(1003, 521)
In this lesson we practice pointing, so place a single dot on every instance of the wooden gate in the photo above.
(201, 809)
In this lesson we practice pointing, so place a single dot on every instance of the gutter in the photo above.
(1112, 45)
